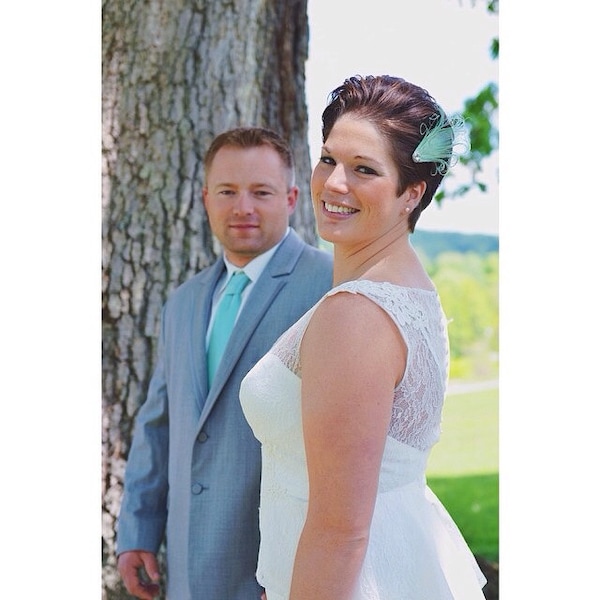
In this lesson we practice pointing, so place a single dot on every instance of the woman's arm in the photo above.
(352, 357)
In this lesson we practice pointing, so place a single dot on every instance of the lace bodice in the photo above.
(418, 398)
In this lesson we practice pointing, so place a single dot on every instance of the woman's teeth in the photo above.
(334, 208)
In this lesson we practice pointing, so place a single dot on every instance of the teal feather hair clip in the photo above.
(444, 140)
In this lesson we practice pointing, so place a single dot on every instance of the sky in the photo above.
(450, 58)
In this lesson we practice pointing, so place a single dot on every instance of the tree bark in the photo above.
(174, 75)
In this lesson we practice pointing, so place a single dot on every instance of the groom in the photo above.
(193, 471)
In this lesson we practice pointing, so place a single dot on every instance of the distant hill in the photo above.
(432, 243)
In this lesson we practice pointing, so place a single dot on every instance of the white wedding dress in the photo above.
(415, 550)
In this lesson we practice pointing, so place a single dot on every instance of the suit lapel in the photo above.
(201, 317)
(268, 286)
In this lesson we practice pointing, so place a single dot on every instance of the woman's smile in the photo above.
(339, 209)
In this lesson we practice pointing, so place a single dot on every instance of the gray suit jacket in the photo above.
(193, 471)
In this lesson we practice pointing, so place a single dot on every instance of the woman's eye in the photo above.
(366, 170)
(327, 160)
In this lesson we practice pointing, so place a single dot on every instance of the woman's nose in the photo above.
(337, 180)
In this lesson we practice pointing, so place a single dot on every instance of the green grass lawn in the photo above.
(463, 468)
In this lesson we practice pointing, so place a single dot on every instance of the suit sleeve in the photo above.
(143, 513)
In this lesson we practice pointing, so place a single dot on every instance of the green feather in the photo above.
(443, 141)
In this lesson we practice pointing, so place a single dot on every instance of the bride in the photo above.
(348, 402)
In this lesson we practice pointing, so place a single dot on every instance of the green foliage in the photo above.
(480, 115)
(430, 244)
(495, 48)
(469, 440)
(468, 288)
(465, 269)
(473, 503)
(493, 6)
(463, 468)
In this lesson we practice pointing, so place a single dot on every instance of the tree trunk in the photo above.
(174, 75)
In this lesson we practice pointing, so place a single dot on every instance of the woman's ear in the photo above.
(413, 195)
(416, 192)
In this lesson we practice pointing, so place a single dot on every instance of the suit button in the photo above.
(197, 488)
(202, 437)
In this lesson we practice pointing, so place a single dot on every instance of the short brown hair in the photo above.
(252, 137)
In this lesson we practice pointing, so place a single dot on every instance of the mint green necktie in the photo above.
(224, 320)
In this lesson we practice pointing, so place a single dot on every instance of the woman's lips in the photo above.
(339, 209)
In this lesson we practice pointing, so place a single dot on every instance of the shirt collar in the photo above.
(257, 265)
